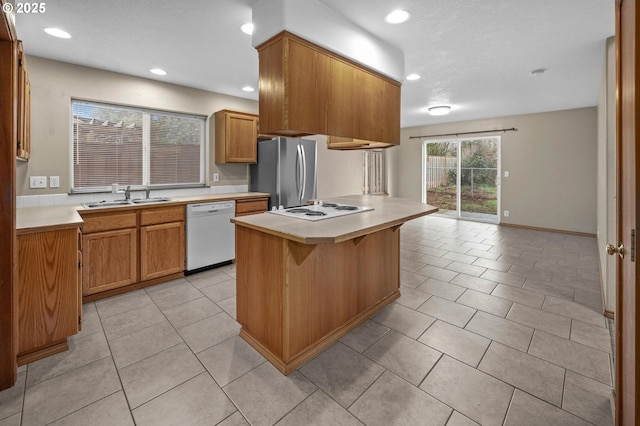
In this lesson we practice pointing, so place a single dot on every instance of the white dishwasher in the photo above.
(210, 234)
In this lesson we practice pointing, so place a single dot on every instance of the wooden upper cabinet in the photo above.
(236, 136)
(305, 90)
(24, 108)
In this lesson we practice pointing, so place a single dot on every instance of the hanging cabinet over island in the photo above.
(302, 285)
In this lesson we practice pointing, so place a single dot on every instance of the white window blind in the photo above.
(133, 146)
(374, 172)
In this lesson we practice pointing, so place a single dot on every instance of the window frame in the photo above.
(146, 160)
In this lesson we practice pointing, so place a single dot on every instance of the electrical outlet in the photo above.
(37, 182)
(506, 213)
(54, 181)
(506, 173)
(216, 177)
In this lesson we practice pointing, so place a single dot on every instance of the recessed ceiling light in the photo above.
(57, 32)
(412, 77)
(439, 110)
(158, 71)
(397, 16)
(247, 28)
(248, 89)
(538, 72)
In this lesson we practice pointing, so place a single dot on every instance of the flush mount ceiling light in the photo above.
(248, 89)
(538, 72)
(439, 110)
(158, 71)
(247, 28)
(397, 16)
(57, 32)
(412, 77)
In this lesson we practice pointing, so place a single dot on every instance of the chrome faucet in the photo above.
(127, 193)
(148, 192)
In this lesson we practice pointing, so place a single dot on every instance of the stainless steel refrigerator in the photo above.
(286, 169)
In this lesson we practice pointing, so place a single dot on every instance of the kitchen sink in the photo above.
(107, 204)
(150, 200)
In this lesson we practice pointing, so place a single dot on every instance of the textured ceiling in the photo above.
(475, 55)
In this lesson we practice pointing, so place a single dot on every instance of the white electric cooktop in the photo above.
(320, 211)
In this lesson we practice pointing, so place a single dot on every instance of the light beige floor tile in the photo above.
(143, 343)
(527, 410)
(484, 302)
(173, 293)
(591, 335)
(516, 260)
(456, 342)
(404, 356)
(572, 356)
(342, 373)
(431, 251)
(208, 278)
(410, 279)
(122, 303)
(467, 269)
(11, 420)
(198, 401)
(82, 351)
(404, 320)
(209, 331)
(590, 299)
(549, 289)
(363, 336)
(110, 411)
(573, 310)
(229, 306)
(441, 289)
(437, 273)
(504, 278)
(236, 419)
(533, 375)
(264, 395)
(412, 298)
(439, 262)
(531, 272)
(128, 322)
(458, 257)
(492, 264)
(155, 375)
(230, 359)
(11, 399)
(458, 419)
(62, 395)
(545, 321)
(510, 333)
(447, 311)
(90, 319)
(319, 410)
(521, 296)
(475, 283)
(411, 265)
(483, 254)
(587, 399)
(220, 291)
(473, 393)
(190, 312)
(392, 401)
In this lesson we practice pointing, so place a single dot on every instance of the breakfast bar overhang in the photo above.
(302, 285)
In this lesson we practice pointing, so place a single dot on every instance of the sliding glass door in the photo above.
(461, 177)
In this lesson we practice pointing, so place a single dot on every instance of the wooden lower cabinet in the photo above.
(48, 292)
(110, 260)
(162, 250)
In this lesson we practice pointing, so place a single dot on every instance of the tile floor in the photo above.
(495, 326)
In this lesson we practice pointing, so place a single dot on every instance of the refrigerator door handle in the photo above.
(304, 174)
(298, 171)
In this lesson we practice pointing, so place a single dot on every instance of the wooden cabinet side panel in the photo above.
(370, 107)
(162, 250)
(342, 113)
(260, 286)
(48, 288)
(391, 105)
(271, 87)
(110, 260)
(220, 137)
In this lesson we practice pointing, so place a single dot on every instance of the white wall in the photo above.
(551, 160)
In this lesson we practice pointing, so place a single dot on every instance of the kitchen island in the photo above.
(302, 285)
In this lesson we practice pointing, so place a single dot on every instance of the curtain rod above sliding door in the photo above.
(513, 129)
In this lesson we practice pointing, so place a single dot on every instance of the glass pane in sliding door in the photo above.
(440, 174)
(479, 179)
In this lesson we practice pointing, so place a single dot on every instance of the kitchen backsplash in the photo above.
(62, 199)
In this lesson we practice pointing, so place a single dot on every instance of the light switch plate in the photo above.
(216, 177)
(37, 182)
(54, 181)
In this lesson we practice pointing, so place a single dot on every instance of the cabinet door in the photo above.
(24, 108)
(162, 250)
(109, 260)
(342, 115)
(47, 288)
(241, 138)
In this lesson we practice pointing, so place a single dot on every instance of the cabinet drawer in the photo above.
(162, 215)
(108, 222)
(244, 207)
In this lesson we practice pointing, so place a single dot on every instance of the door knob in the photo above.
(611, 250)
